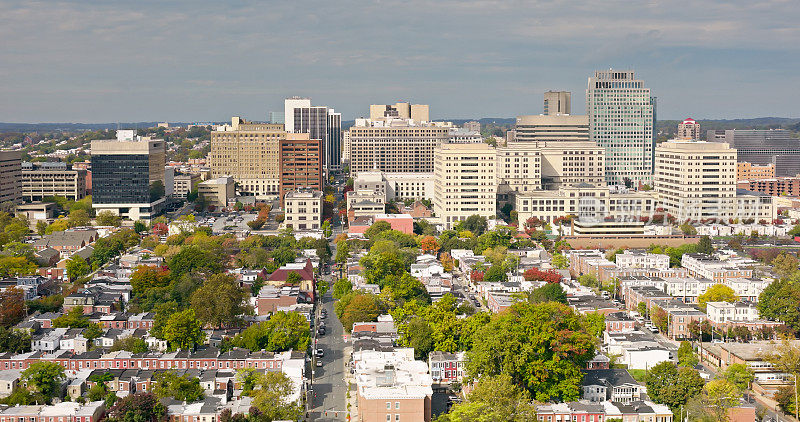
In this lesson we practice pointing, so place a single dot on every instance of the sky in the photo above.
(111, 60)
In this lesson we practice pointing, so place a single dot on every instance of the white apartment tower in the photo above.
(622, 116)
(465, 182)
(696, 180)
(557, 102)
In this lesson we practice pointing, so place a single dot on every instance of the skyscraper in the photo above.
(128, 175)
(557, 102)
(774, 146)
(622, 116)
(320, 122)
(300, 163)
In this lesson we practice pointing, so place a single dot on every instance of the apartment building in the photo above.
(586, 201)
(555, 127)
(396, 146)
(748, 171)
(689, 129)
(706, 266)
(346, 145)
(303, 210)
(780, 186)
(392, 386)
(11, 177)
(127, 173)
(320, 122)
(250, 153)
(724, 312)
(696, 180)
(622, 116)
(217, 192)
(634, 259)
(465, 182)
(184, 183)
(300, 163)
(447, 367)
(40, 180)
(557, 102)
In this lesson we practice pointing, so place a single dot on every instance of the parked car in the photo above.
(319, 362)
(321, 331)
(319, 353)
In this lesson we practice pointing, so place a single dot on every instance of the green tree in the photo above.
(495, 398)
(12, 306)
(15, 266)
(357, 307)
(550, 292)
(686, 356)
(220, 302)
(131, 344)
(72, 319)
(183, 330)
(688, 229)
(293, 278)
(41, 227)
(138, 407)
(495, 273)
(342, 251)
(322, 287)
(560, 261)
(475, 224)
(78, 218)
(739, 375)
(14, 341)
(541, 346)
(269, 397)
(148, 277)
(705, 246)
(785, 264)
(341, 288)
(717, 293)
(178, 387)
(668, 384)
(193, 258)
(139, 226)
(92, 332)
(778, 301)
(595, 323)
(377, 228)
(108, 218)
(44, 377)
(719, 396)
(785, 358)
(77, 267)
(283, 331)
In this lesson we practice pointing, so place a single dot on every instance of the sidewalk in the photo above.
(349, 379)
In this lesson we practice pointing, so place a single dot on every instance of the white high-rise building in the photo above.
(622, 116)
(465, 182)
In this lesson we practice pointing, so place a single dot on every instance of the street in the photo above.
(328, 383)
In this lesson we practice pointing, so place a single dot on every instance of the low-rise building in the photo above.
(42, 180)
(636, 259)
(615, 385)
(392, 386)
(447, 367)
(185, 183)
(217, 192)
(303, 210)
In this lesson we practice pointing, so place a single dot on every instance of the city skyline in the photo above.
(99, 62)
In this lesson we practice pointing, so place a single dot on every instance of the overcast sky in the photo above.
(107, 61)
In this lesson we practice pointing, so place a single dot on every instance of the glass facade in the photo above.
(120, 179)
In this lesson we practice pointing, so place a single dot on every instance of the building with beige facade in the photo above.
(346, 145)
(689, 129)
(392, 386)
(465, 182)
(250, 153)
(551, 128)
(303, 210)
(531, 166)
(184, 183)
(589, 202)
(217, 192)
(11, 177)
(750, 171)
(696, 179)
(40, 180)
(416, 112)
(396, 146)
(557, 102)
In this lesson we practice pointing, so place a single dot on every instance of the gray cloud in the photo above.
(201, 60)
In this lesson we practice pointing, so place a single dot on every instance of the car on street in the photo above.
(319, 362)
(319, 353)
(321, 331)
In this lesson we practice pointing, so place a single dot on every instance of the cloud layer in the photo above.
(100, 61)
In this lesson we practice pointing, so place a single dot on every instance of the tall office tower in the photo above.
(346, 145)
(249, 152)
(557, 102)
(320, 122)
(416, 112)
(622, 118)
(276, 117)
(400, 147)
(10, 177)
(473, 126)
(40, 180)
(552, 128)
(696, 180)
(300, 163)
(465, 182)
(128, 175)
(689, 129)
(763, 147)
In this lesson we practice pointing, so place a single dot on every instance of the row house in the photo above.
(447, 367)
(619, 322)
(203, 358)
(635, 259)
(607, 274)
(615, 385)
(706, 266)
(60, 412)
